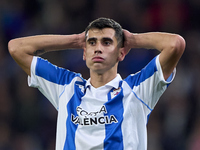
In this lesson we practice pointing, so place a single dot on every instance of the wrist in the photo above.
(81, 40)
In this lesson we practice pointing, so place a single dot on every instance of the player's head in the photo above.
(102, 23)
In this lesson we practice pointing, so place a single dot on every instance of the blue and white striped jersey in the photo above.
(110, 117)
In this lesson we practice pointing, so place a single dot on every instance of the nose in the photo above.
(98, 52)
(98, 48)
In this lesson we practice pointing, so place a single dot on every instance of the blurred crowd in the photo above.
(28, 120)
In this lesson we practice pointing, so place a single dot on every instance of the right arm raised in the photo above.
(23, 49)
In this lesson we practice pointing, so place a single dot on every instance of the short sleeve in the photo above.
(49, 79)
(31, 79)
(149, 83)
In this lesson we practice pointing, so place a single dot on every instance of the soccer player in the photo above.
(105, 111)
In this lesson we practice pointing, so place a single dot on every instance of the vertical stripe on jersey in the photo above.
(71, 127)
(114, 139)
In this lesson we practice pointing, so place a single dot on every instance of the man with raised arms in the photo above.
(104, 112)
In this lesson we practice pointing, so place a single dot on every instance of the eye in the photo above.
(91, 43)
(107, 42)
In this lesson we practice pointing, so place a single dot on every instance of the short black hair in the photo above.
(102, 23)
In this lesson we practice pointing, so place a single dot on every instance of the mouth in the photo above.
(97, 59)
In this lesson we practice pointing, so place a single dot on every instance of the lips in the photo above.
(97, 59)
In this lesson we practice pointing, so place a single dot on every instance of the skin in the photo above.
(23, 49)
(171, 47)
(102, 55)
(100, 50)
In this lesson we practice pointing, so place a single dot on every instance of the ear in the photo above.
(122, 54)
(84, 55)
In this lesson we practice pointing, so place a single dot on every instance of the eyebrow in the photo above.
(92, 39)
(107, 39)
(104, 39)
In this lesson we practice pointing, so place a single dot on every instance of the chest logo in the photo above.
(115, 92)
(86, 118)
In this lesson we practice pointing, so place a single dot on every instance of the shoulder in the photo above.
(50, 72)
(145, 73)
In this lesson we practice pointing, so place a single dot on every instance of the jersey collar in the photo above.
(113, 83)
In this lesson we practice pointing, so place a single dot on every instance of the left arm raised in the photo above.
(170, 45)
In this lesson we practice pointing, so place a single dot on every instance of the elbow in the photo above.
(178, 45)
(12, 47)
(15, 47)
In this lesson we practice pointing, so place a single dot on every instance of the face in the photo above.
(102, 52)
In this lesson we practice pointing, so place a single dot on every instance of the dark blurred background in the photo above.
(28, 120)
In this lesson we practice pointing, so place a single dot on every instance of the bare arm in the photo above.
(23, 49)
(171, 47)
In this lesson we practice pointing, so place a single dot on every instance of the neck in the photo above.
(98, 80)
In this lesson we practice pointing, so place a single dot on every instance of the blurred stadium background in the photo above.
(28, 120)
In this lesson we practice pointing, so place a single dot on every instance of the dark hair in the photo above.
(102, 23)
